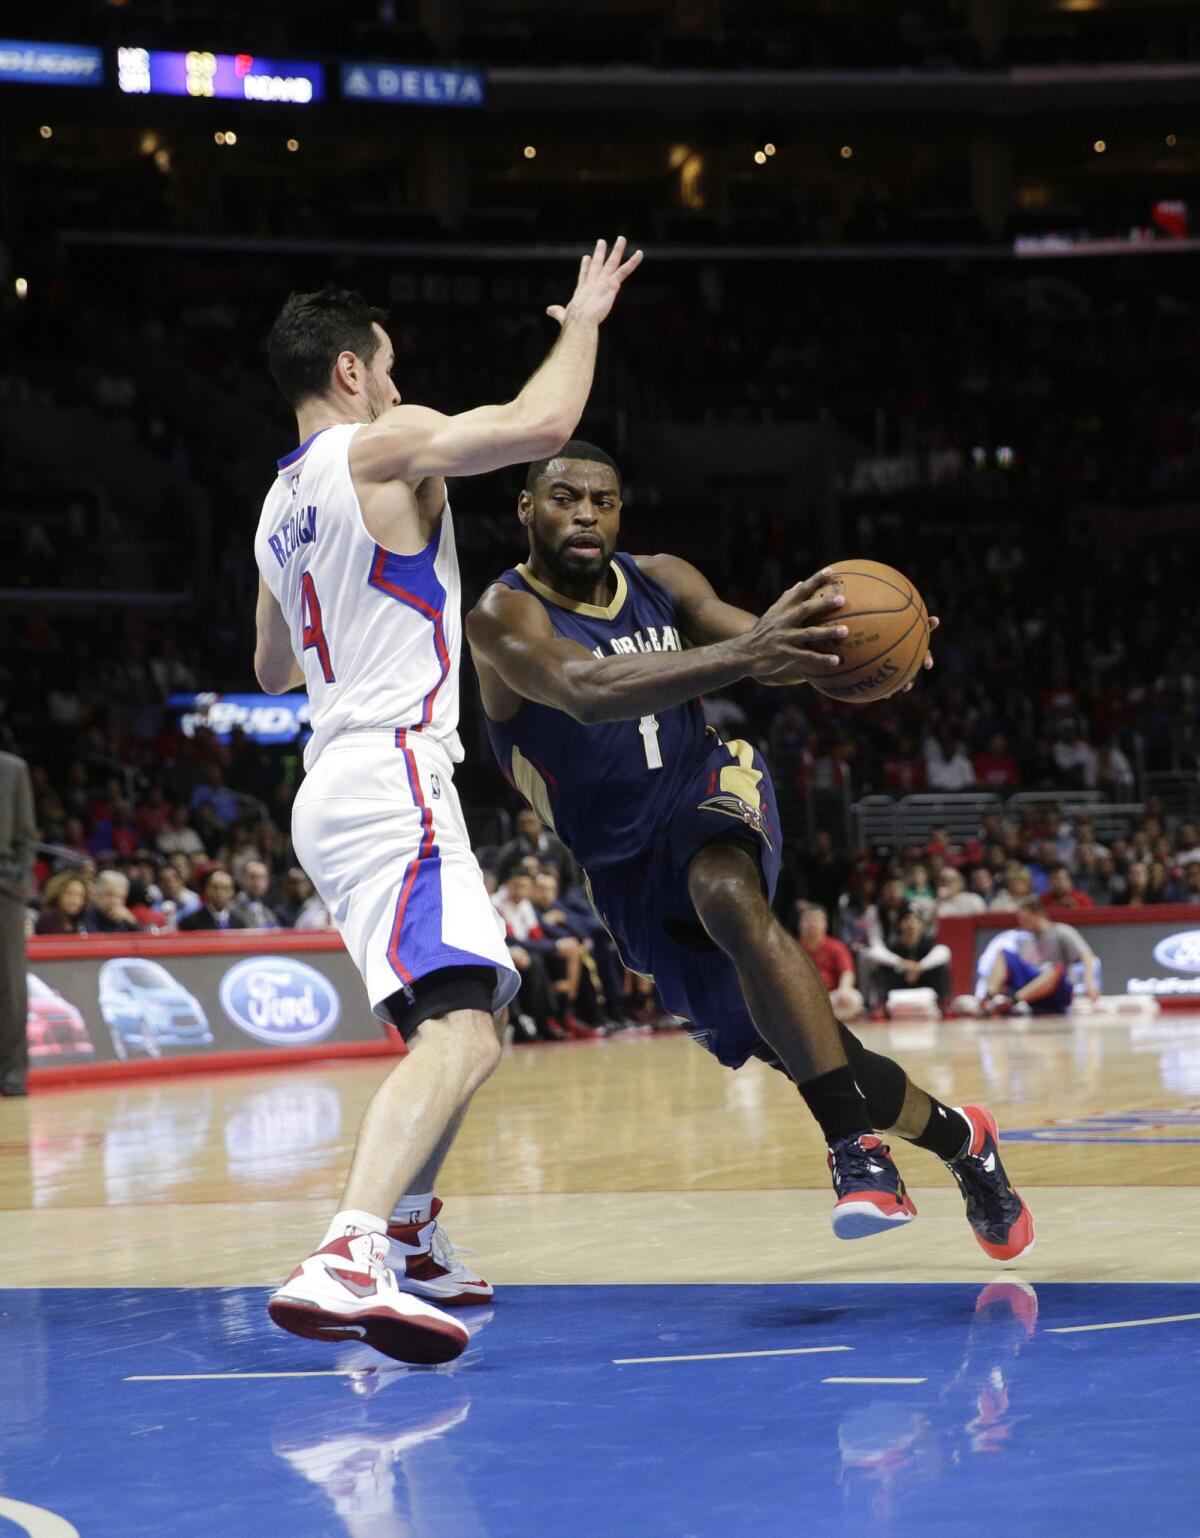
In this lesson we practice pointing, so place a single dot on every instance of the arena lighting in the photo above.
(46, 131)
(530, 152)
(760, 158)
(162, 159)
(21, 287)
(1100, 146)
(846, 152)
(230, 137)
(768, 149)
(1172, 141)
(293, 145)
(219, 137)
(223, 76)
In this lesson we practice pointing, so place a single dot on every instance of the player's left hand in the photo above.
(1093, 993)
(934, 622)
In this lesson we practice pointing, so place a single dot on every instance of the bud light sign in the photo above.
(280, 1000)
(1180, 952)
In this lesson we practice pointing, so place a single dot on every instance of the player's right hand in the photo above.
(600, 277)
(789, 636)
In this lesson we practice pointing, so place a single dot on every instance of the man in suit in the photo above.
(18, 835)
(216, 911)
(249, 905)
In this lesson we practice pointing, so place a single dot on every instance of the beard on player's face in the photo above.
(557, 550)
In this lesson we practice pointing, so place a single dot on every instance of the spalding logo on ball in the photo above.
(889, 632)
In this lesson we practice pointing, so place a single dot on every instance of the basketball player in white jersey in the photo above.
(359, 603)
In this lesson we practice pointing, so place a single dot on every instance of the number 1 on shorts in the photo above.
(648, 726)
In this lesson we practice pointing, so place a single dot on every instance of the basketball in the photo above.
(889, 632)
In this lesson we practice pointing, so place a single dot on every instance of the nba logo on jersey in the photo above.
(435, 787)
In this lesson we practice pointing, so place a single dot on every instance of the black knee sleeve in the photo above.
(441, 993)
(882, 1082)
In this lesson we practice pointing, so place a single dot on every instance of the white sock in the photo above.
(413, 1209)
(352, 1221)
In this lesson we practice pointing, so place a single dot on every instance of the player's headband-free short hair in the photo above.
(576, 448)
(312, 330)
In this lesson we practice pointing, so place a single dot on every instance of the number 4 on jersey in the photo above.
(314, 632)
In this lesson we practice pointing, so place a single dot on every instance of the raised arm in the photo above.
(411, 442)
(519, 657)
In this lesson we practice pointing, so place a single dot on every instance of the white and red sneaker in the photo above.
(345, 1292)
(427, 1264)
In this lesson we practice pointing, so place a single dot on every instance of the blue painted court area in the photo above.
(1007, 1428)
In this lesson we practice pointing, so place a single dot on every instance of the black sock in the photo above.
(947, 1132)
(837, 1103)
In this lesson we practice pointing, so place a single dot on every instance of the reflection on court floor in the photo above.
(599, 1412)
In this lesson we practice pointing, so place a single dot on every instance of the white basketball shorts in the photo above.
(378, 827)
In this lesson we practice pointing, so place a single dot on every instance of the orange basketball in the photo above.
(889, 632)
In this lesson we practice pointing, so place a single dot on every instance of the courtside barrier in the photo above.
(1150, 952)
(123, 1006)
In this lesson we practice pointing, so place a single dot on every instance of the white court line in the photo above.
(197, 1377)
(728, 1356)
(1121, 1324)
(874, 1380)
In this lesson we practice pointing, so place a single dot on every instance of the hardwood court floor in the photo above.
(633, 1160)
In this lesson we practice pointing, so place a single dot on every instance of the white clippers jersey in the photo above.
(378, 635)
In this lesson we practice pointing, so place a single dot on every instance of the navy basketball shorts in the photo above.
(647, 908)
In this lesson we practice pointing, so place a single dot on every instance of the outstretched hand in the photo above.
(600, 277)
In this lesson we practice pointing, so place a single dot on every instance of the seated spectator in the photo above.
(833, 962)
(178, 837)
(854, 910)
(216, 910)
(589, 1003)
(1191, 883)
(561, 953)
(947, 766)
(312, 912)
(1034, 976)
(249, 904)
(1075, 759)
(119, 832)
(1061, 892)
(915, 961)
(983, 884)
(918, 892)
(176, 892)
(110, 912)
(883, 921)
(1041, 862)
(64, 903)
(534, 841)
(953, 899)
(1114, 772)
(217, 796)
(532, 954)
(1163, 886)
(904, 769)
(1138, 880)
(995, 767)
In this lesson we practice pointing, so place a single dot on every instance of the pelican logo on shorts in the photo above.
(435, 786)
(280, 1000)
(734, 806)
(1180, 952)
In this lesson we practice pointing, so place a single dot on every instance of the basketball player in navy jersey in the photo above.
(591, 664)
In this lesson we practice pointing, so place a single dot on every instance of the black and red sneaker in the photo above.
(1001, 1221)
(871, 1197)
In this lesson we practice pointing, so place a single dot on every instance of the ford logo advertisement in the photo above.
(280, 1000)
(1180, 952)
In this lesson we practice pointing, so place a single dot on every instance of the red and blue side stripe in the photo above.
(415, 945)
(413, 581)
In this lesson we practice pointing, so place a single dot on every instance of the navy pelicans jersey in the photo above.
(605, 789)
(377, 634)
